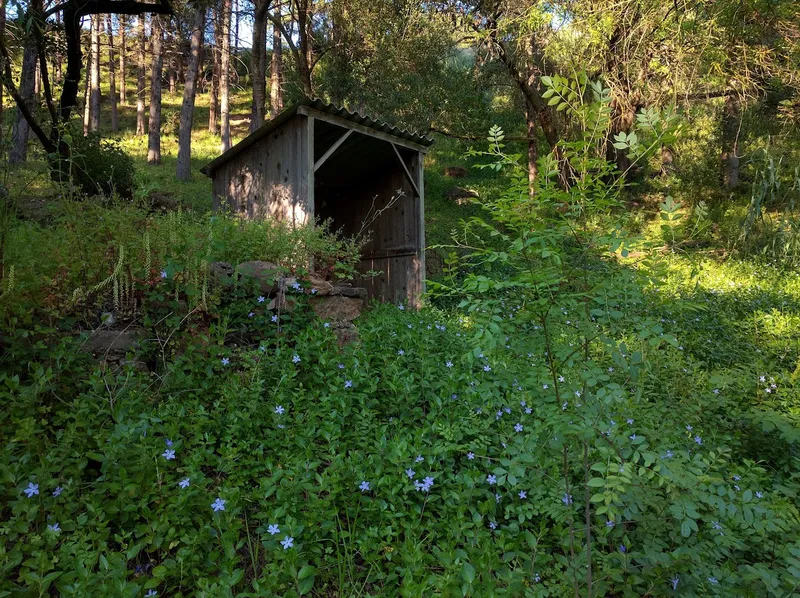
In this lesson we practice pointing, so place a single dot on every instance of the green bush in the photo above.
(96, 166)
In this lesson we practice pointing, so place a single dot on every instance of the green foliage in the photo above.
(96, 166)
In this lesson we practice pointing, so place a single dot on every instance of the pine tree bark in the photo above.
(21, 131)
(57, 58)
(731, 117)
(154, 125)
(2, 88)
(224, 77)
(140, 77)
(276, 70)
(184, 172)
(169, 51)
(259, 64)
(112, 76)
(123, 92)
(213, 101)
(94, 89)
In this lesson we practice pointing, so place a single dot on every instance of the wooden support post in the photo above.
(420, 172)
(405, 169)
(331, 150)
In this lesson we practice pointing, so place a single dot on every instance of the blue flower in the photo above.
(630, 421)
(184, 483)
(287, 542)
(567, 499)
(401, 307)
(340, 366)
(448, 364)
(410, 473)
(273, 529)
(32, 490)
(251, 314)
(261, 299)
(698, 440)
(348, 384)
(528, 410)
(493, 525)
(674, 581)
(419, 459)
(491, 479)
(57, 492)
(54, 527)
(632, 436)
(713, 580)
(487, 368)
(610, 523)
(326, 325)
(274, 318)
(470, 455)
(364, 486)
(225, 361)
(168, 442)
(168, 454)
(425, 485)
(523, 494)
(152, 593)
(518, 427)
(163, 274)
(667, 455)
(401, 352)
(218, 505)
(759, 495)
(279, 409)
(296, 359)
(623, 549)
(296, 286)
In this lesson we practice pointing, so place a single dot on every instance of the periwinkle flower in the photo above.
(493, 525)
(698, 440)
(287, 542)
(567, 499)
(630, 421)
(168, 454)
(32, 490)
(225, 361)
(273, 529)
(251, 314)
(326, 325)
(528, 410)
(518, 427)
(218, 505)
(401, 307)
(261, 299)
(623, 549)
(295, 358)
(410, 473)
(419, 459)
(279, 409)
(470, 455)
(54, 527)
(274, 318)
(348, 383)
(491, 479)
(487, 368)
(364, 486)
(57, 492)
(523, 494)
(184, 483)
(448, 364)
(163, 274)
(401, 352)
(151, 593)
(632, 436)
(674, 581)
(759, 495)
(610, 523)
(713, 580)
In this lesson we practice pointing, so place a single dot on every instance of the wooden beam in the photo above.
(332, 149)
(405, 169)
(419, 170)
(359, 128)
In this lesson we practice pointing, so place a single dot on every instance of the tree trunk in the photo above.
(189, 91)
(235, 24)
(57, 58)
(87, 98)
(533, 150)
(94, 90)
(154, 139)
(2, 88)
(170, 52)
(140, 77)
(276, 71)
(258, 64)
(21, 130)
(731, 120)
(224, 77)
(123, 92)
(112, 76)
(213, 100)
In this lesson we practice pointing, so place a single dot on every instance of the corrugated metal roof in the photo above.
(316, 104)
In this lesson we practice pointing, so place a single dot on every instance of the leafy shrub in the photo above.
(96, 166)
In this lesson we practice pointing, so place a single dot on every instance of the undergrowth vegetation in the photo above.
(586, 406)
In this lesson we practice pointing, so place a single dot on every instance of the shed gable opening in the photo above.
(363, 189)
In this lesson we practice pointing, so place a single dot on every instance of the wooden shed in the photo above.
(315, 161)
